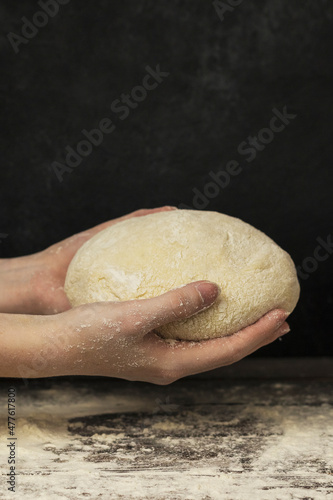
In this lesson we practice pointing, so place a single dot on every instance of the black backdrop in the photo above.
(229, 67)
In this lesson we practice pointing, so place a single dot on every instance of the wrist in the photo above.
(17, 290)
(35, 346)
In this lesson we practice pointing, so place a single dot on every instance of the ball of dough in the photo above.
(146, 256)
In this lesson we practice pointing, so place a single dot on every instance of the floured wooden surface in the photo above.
(196, 439)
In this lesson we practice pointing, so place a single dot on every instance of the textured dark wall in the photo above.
(225, 78)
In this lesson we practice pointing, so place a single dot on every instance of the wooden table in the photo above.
(231, 438)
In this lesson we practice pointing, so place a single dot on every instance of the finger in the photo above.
(187, 358)
(176, 304)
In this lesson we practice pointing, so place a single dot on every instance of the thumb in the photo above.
(179, 303)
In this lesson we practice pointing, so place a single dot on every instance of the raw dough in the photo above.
(146, 256)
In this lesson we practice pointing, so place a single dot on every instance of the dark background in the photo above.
(225, 79)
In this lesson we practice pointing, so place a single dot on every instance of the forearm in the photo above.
(35, 346)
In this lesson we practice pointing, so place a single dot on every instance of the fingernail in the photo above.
(284, 329)
(171, 207)
(208, 292)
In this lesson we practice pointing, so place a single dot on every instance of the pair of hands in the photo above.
(49, 338)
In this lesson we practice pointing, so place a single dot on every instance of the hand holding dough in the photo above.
(147, 256)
